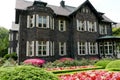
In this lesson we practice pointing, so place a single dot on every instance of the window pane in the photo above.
(44, 21)
(40, 21)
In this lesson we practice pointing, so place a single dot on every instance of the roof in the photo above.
(59, 10)
(109, 37)
(15, 27)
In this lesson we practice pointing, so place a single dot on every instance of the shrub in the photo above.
(25, 73)
(114, 65)
(35, 62)
(1, 61)
(12, 55)
(10, 62)
(103, 62)
(68, 63)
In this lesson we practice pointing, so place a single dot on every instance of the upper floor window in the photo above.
(91, 26)
(93, 48)
(30, 48)
(30, 21)
(42, 21)
(62, 25)
(81, 25)
(82, 48)
(62, 48)
(103, 29)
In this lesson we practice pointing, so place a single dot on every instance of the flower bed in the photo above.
(92, 75)
(70, 68)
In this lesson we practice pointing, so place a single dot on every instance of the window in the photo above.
(30, 21)
(81, 25)
(91, 26)
(93, 48)
(108, 48)
(101, 49)
(62, 48)
(9, 51)
(85, 10)
(44, 48)
(82, 48)
(10, 36)
(42, 21)
(30, 48)
(62, 25)
(103, 29)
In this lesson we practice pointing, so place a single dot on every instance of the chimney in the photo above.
(62, 3)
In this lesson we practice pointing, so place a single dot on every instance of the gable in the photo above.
(87, 7)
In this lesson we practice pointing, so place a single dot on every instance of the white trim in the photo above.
(28, 21)
(53, 23)
(78, 48)
(59, 24)
(85, 26)
(48, 22)
(95, 26)
(53, 49)
(36, 48)
(27, 48)
(37, 20)
(32, 48)
(64, 25)
(33, 21)
(77, 24)
(96, 44)
(47, 48)
(8, 50)
(88, 25)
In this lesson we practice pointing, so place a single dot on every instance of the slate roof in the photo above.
(59, 10)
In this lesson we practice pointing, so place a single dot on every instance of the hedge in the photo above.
(25, 73)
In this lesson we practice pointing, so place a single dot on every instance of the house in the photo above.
(51, 32)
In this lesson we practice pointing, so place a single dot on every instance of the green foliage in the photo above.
(25, 73)
(103, 62)
(1, 61)
(114, 65)
(116, 31)
(12, 55)
(10, 62)
(3, 41)
(67, 63)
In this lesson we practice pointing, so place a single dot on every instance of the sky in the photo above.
(111, 8)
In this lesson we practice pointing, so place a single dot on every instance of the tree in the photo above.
(4, 34)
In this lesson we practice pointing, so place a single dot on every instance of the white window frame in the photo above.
(84, 48)
(43, 44)
(108, 45)
(30, 48)
(64, 25)
(47, 21)
(103, 29)
(93, 48)
(92, 26)
(16, 36)
(30, 21)
(62, 45)
(81, 25)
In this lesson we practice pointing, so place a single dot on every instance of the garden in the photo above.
(61, 69)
